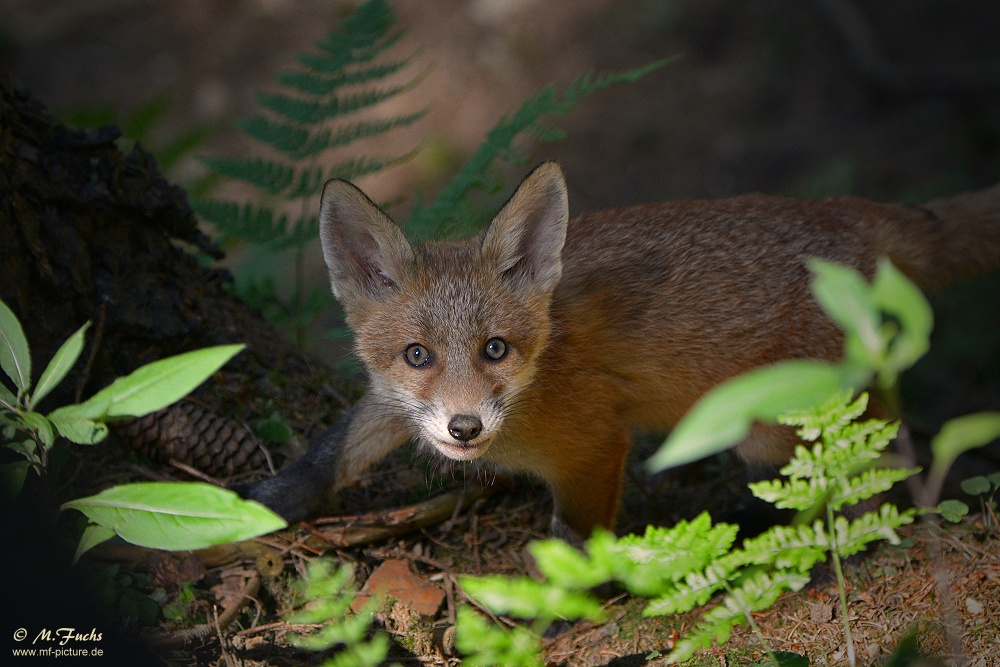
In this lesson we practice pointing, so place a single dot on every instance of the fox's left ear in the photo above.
(526, 237)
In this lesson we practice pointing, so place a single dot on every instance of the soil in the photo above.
(776, 96)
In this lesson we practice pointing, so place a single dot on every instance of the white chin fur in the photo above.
(463, 452)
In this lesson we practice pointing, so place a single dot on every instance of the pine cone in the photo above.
(188, 433)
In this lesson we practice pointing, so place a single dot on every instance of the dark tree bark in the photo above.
(87, 233)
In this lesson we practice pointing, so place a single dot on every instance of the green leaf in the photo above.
(724, 415)
(527, 598)
(274, 429)
(7, 399)
(61, 362)
(486, 645)
(177, 515)
(271, 176)
(976, 486)
(952, 510)
(319, 84)
(156, 385)
(12, 476)
(567, 566)
(848, 300)
(961, 434)
(15, 359)
(93, 535)
(40, 426)
(896, 295)
(77, 429)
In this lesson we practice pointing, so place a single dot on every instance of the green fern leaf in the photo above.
(256, 224)
(339, 50)
(269, 175)
(758, 592)
(852, 537)
(319, 84)
(313, 111)
(796, 547)
(286, 137)
(348, 134)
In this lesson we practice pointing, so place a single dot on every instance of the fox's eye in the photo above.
(417, 355)
(495, 349)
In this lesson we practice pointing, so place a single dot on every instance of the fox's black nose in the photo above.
(465, 427)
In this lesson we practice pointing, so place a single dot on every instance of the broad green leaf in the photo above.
(567, 566)
(527, 598)
(79, 430)
(962, 434)
(896, 295)
(724, 415)
(485, 644)
(156, 385)
(41, 426)
(976, 486)
(61, 362)
(7, 399)
(15, 358)
(952, 510)
(93, 535)
(848, 300)
(12, 476)
(177, 515)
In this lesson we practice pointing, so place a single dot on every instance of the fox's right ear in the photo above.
(366, 253)
(526, 237)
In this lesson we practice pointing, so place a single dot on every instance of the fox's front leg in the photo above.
(586, 486)
(363, 435)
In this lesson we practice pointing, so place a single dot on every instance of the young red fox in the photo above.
(540, 344)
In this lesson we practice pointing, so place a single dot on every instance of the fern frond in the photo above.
(663, 556)
(831, 416)
(475, 174)
(312, 111)
(852, 537)
(694, 590)
(318, 84)
(348, 134)
(868, 484)
(271, 176)
(758, 592)
(338, 55)
(796, 547)
(256, 224)
(353, 47)
(286, 137)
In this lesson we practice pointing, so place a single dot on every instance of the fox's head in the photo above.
(449, 332)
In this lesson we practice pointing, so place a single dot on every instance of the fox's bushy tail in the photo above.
(949, 240)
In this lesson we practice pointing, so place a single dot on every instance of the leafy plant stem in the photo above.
(841, 587)
(757, 631)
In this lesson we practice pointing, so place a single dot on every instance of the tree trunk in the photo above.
(87, 233)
